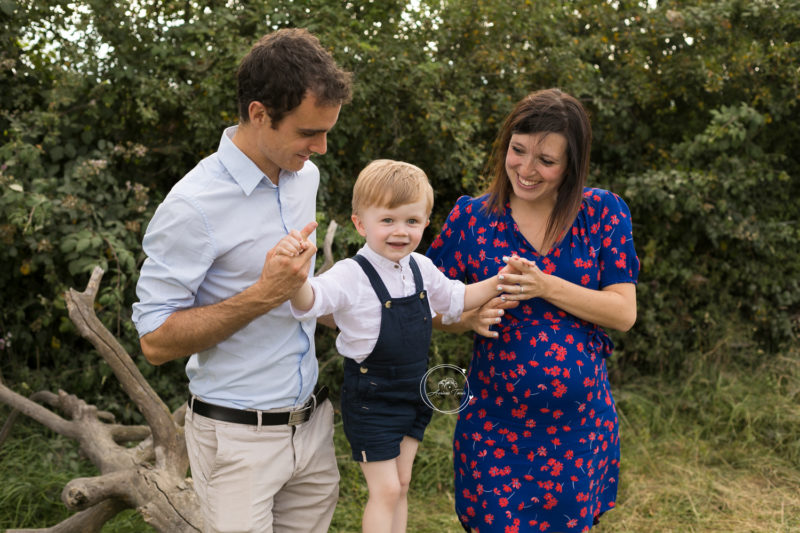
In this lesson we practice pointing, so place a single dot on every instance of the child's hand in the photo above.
(508, 269)
(292, 245)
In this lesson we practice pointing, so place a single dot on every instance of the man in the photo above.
(260, 439)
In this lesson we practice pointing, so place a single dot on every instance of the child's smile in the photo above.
(393, 232)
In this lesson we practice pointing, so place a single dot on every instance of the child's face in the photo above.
(393, 233)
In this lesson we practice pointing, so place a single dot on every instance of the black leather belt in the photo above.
(241, 416)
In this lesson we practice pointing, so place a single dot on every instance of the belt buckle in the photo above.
(299, 416)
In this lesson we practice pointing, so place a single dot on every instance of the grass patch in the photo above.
(35, 465)
(718, 451)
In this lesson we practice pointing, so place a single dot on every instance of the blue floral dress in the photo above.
(537, 447)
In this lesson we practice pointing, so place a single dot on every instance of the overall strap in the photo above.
(374, 278)
(417, 274)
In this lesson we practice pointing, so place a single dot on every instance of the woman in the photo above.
(537, 446)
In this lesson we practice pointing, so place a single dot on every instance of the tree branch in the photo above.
(165, 434)
(41, 414)
(89, 521)
(84, 492)
(327, 246)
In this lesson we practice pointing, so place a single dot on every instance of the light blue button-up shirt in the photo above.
(207, 242)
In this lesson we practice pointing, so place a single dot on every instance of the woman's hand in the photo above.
(613, 306)
(484, 317)
(521, 279)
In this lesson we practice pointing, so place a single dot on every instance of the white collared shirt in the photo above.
(345, 292)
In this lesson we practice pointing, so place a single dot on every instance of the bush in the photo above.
(694, 108)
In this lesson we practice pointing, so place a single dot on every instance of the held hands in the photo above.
(287, 264)
(295, 243)
(484, 317)
(521, 280)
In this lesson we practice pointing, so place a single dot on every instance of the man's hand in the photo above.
(287, 265)
(191, 330)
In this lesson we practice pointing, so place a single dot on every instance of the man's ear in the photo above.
(258, 113)
(359, 225)
(427, 222)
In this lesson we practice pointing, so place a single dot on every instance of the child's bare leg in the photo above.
(384, 492)
(405, 462)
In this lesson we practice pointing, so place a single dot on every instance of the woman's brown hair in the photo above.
(545, 111)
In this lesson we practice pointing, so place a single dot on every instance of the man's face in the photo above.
(300, 133)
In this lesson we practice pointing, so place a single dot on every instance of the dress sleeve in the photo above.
(618, 260)
(446, 249)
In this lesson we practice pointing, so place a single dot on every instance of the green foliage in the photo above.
(61, 214)
(35, 475)
(694, 107)
(717, 244)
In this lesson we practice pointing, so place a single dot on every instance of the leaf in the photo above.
(82, 245)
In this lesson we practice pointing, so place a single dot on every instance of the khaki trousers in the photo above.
(266, 479)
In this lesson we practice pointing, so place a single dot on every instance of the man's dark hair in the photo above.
(281, 67)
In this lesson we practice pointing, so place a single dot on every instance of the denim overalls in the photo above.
(381, 400)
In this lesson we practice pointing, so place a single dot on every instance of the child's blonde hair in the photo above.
(388, 183)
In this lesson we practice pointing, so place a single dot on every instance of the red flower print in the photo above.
(523, 381)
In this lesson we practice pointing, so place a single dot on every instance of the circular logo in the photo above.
(444, 388)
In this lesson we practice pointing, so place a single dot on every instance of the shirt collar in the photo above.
(381, 262)
(240, 167)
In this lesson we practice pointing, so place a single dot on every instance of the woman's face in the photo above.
(536, 164)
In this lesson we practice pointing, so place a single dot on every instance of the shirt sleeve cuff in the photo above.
(313, 312)
(453, 314)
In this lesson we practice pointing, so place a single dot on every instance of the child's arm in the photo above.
(477, 294)
(303, 299)
(291, 245)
